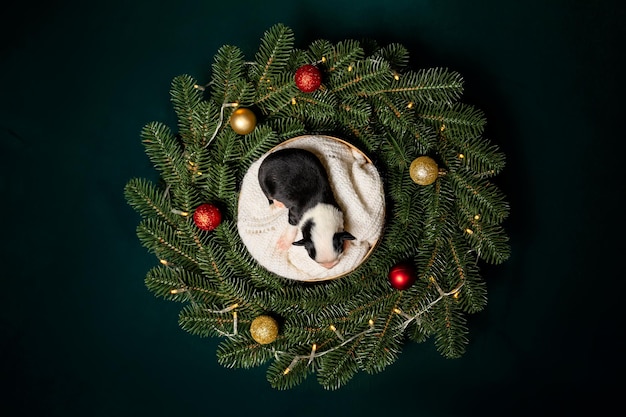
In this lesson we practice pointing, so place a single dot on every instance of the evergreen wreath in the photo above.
(423, 277)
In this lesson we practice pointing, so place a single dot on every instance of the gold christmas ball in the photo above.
(243, 121)
(424, 170)
(264, 329)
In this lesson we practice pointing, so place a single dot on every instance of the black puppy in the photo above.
(296, 179)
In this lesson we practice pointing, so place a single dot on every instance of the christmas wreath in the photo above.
(443, 215)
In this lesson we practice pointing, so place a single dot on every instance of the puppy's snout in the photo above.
(330, 264)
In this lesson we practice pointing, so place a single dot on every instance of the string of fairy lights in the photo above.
(314, 353)
(249, 122)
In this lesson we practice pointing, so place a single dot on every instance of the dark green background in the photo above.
(82, 336)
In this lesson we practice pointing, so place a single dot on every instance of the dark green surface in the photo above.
(80, 334)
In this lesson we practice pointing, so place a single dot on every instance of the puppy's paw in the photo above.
(283, 244)
(287, 238)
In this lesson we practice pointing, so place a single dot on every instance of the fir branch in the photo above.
(257, 143)
(185, 97)
(419, 331)
(237, 256)
(276, 94)
(240, 352)
(318, 108)
(382, 348)
(353, 112)
(489, 241)
(210, 258)
(425, 137)
(407, 219)
(399, 151)
(451, 330)
(201, 321)
(228, 72)
(396, 54)
(318, 49)
(219, 179)
(165, 153)
(362, 78)
(461, 118)
(273, 54)
(394, 114)
(184, 199)
(149, 201)
(338, 366)
(366, 305)
(178, 284)
(343, 55)
(429, 86)
(163, 240)
(287, 127)
(480, 197)
(479, 155)
(472, 297)
(286, 372)
(437, 204)
(205, 124)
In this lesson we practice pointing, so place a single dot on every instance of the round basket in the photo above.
(358, 190)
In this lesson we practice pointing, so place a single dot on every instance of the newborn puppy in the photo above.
(296, 179)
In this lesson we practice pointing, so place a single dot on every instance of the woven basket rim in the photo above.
(369, 161)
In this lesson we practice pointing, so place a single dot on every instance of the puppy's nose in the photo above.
(330, 264)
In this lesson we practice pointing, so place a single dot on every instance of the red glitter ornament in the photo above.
(308, 78)
(207, 217)
(402, 276)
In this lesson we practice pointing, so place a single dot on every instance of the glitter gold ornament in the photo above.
(243, 121)
(424, 170)
(264, 329)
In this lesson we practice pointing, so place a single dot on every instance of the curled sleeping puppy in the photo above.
(296, 179)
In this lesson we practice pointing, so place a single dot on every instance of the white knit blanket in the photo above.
(359, 192)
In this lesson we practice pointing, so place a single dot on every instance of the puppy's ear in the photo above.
(300, 242)
(346, 236)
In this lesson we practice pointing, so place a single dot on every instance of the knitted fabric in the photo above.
(358, 190)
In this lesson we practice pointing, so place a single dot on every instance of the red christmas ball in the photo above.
(207, 217)
(308, 78)
(402, 276)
